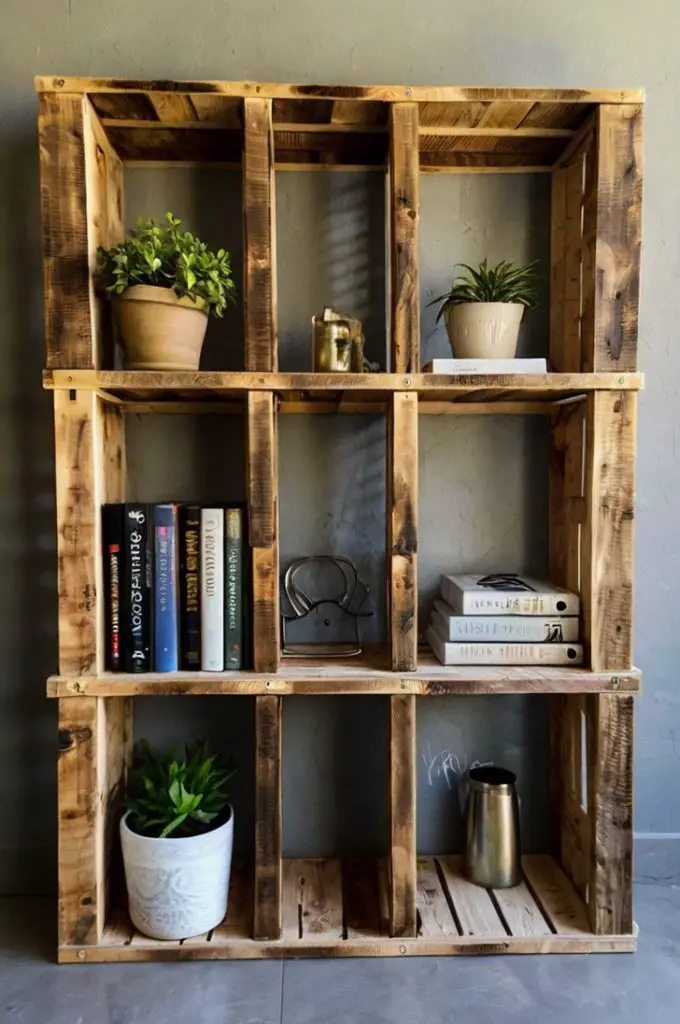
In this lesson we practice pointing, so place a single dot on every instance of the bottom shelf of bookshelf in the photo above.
(334, 908)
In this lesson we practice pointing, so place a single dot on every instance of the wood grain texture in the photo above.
(607, 536)
(434, 915)
(610, 798)
(566, 495)
(402, 531)
(404, 205)
(473, 907)
(612, 234)
(559, 901)
(520, 911)
(565, 262)
(68, 326)
(402, 816)
(262, 482)
(259, 237)
(267, 905)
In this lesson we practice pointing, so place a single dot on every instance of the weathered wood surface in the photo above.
(566, 495)
(404, 206)
(259, 237)
(402, 816)
(334, 910)
(267, 905)
(610, 800)
(607, 535)
(262, 482)
(612, 238)
(402, 531)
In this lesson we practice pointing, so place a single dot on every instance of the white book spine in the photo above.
(504, 654)
(212, 589)
(508, 602)
(503, 628)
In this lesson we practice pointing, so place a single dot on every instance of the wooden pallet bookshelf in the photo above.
(590, 143)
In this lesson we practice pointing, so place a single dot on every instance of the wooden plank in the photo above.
(520, 911)
(239, 920)
(607, 537)
(434, 916)
(262, 481)
(442, 131)
(558, 899)
(291, 900)
(571, 322)
(404, 222)
(402, 816)
(68, 326)
(172, 108)
(472, 904)
(267, 907)
(566, 493)
(402, 530)
(320, 888)
(356, 93)
(361, 898)
(558, 214)
(612, 231)
(259, 237)
(610, 800)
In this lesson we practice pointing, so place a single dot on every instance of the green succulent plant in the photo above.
(502, 283)
(179, 797)
(166, 257)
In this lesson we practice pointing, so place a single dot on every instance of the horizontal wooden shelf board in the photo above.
(334, 908)
(148, 386)
(368, 673)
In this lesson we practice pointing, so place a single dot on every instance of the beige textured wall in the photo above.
(531, 42)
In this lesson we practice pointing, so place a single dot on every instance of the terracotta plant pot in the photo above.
(159, 329)
(484, 330)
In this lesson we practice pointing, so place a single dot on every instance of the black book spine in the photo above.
(137, 604)
(112, 555)
(190, 587)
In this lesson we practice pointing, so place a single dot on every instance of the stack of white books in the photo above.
(464, 366)
(504, 619)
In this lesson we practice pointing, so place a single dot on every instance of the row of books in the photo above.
(504, 619)
(176, 582)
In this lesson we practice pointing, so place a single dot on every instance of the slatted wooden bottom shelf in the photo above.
(339, 908)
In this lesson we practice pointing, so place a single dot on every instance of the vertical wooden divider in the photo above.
(259, 236)
(612, 226)
(402, 815)
(404, 201)
(268, 863)
(402, 530)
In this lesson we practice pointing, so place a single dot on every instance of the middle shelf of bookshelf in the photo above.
(367, 673)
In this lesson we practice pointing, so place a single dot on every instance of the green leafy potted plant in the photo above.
(164, 283)
(484, 309)
(177, 838)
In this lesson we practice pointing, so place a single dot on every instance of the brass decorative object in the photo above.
(492, 836)
(338, 343)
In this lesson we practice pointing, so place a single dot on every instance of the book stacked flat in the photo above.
(504, 619)
(176, 584)
(466, 366)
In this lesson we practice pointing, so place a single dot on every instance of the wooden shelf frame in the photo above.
(590, 142)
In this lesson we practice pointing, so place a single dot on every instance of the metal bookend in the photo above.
(322, 600)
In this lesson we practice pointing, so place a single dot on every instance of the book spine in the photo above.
(504, 628)
(233, 609)
(165, 579)
(112, 554)
(136, 626)
(463, 366)
(519, 604)
(212, 589)
(190, 586)
(504, 654)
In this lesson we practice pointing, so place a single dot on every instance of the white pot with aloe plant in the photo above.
(484, 308)
(164, 283)
(177, 838)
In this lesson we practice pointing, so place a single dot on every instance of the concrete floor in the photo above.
(627, 989)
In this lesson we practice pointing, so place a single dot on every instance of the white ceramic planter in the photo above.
(159, 329)
(484, 330)
(177, 887)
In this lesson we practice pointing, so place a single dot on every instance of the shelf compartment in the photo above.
(369, 673)
(333, 909)
(148, 390)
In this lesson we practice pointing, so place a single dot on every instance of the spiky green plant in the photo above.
(165, 257)
(179, 797)
(502, 283)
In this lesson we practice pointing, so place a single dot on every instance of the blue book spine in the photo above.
(166, 644)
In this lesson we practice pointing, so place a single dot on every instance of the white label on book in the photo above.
(506, 594)
(504, 654)
(503, 628)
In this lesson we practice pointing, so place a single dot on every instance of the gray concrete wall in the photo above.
(483, 481)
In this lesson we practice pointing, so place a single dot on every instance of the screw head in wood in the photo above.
(408, 381)
(81, 954)
(616, 683)
(402, 949)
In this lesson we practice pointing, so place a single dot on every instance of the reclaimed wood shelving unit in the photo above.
(578, 899)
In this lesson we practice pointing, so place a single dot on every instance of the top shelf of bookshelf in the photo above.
(151, 391)
(340, 127)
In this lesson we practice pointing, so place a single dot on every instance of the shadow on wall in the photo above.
(28, 597)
